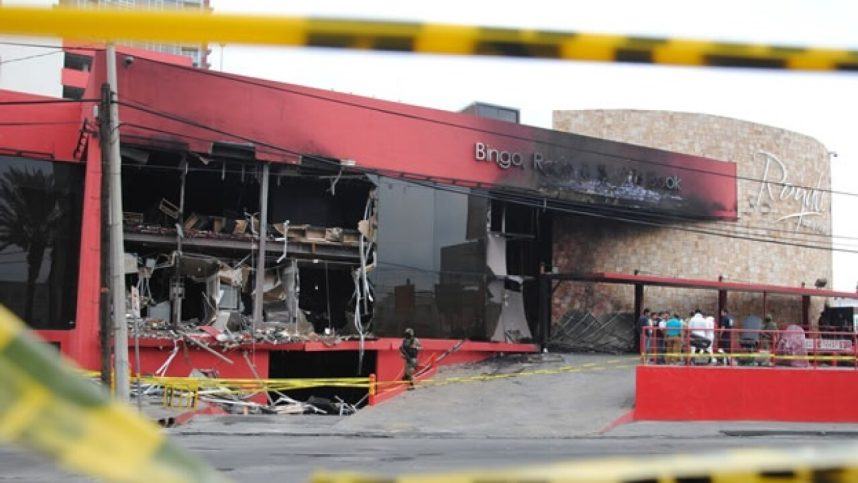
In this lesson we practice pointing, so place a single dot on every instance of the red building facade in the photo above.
(427, 218)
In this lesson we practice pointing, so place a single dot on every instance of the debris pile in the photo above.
(583, 331)
(243, 396)
(194, 278)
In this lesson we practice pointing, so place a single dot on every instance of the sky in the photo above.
(822, 105)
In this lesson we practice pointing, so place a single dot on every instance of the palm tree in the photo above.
(29, 212)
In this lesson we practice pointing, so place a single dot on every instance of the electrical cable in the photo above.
(543, 205)
(550, 204)
(49, 46)
(555, 207)
(36, 123)
(29, 57)
(263, 84)
(34, 102)
(560, 206)
(180, 119)
(660, 216)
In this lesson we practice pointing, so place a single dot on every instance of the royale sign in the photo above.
(803, 205)
(563, 168)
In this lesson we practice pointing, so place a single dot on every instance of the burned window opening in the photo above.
(455, 264)
(526, 234)
(295, 364)
(326, 295)
(315, 246)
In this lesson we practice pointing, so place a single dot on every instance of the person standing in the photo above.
(644, 332)
(725, 333)
(661, 323)
(674, 339)
(769, 334)
(410, 349)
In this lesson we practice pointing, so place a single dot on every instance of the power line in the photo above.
(202, 126)
(654, 218)
(36, 123)
(262, 84)
(29, 57)
(34, 102)
(33, 45)
(553, 205)
(664, 216)
(546, 203)
(295, 153)
(50, 46)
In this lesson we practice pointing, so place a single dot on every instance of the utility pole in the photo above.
(117, 240)
(263, 238)
(105, 321)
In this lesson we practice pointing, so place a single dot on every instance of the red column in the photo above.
(83, 343)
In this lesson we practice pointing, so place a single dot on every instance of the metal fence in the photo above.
(792, 347)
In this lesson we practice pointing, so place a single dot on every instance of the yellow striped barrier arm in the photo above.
(825, 464)
(428, 38)
(46, 406)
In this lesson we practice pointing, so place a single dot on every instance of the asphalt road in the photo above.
(266, 458)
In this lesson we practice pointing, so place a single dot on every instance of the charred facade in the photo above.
(192, 234)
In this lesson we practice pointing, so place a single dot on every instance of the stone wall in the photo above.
(583, 244)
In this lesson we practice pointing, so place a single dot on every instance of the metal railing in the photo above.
(793, 347)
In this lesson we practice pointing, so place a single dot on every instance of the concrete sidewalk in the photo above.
(564, 404)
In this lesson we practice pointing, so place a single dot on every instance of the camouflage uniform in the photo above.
(409, 349)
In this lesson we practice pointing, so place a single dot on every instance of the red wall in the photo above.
(22, 131)
(381, 135)
(57, 140)
(733, 394)
(188, 359)
(376, 134)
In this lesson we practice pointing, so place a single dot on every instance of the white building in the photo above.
(31, 64)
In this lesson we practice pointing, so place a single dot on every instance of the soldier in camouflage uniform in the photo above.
(409, 349)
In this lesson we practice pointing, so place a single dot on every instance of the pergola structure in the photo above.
(640, 281)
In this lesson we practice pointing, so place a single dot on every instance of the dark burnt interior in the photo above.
(219, 225)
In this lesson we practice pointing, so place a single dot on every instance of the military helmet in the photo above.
(409, 332)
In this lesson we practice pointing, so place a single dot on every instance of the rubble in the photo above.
(198, 269)
(584, 331)
(196, 256)
(236, 402)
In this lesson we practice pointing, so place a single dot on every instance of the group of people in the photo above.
(664, 334)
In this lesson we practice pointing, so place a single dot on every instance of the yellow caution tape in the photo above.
(47, 407)
(256, 384)
(828, 464)
(206, 27)
(253, 386)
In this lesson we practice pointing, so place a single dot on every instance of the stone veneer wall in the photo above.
(583, 244)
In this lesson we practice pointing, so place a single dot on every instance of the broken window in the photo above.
(193, 225)
(40, 225)
(449, 267)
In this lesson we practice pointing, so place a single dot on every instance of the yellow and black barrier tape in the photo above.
(429, 38)
(47, 407)
(823, 465)
(253, 386)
